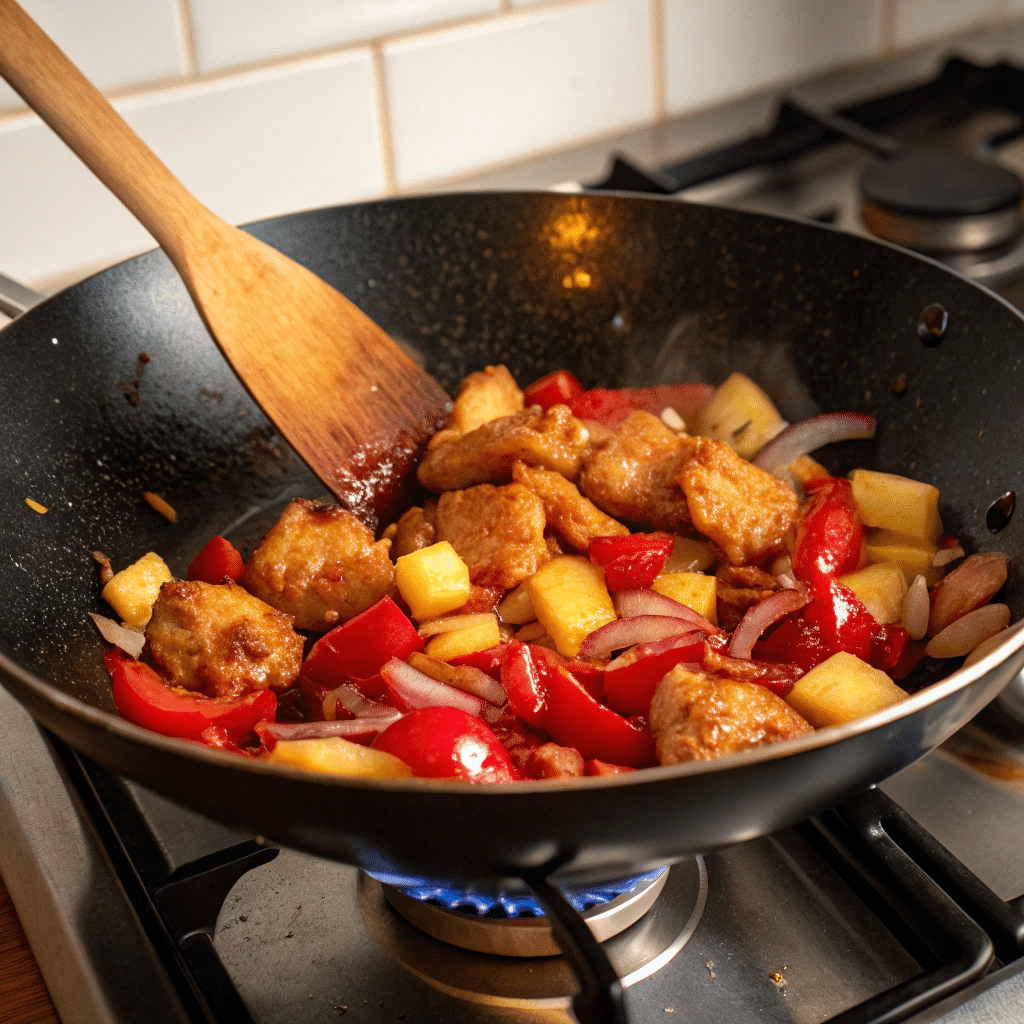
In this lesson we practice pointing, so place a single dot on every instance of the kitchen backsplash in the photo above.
(264, 107)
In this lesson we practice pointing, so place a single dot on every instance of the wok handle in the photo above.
(600, 998)
(61, 95)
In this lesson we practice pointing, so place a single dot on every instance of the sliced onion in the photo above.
(631, 603)
(452, 622)
(417, 690)
(962, 635)
(356, 703)
(353, 729)
(128, 638)
(786, 581)
(647, 650)
(811, 434)
(916, 608)
(762, 615)
(639, 629)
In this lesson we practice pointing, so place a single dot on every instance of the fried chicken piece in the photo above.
(577, 520)
(551, 761)
(739, 588)
(484, 396)
(696, 716)
(416, 529)
(741, 508)
(554, 440)
(497, 531)
(633, 475)
(221, 641)
(320, 564)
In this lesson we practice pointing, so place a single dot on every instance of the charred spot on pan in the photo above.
(1000, 512)
(931, 327)
(899, 384)
(217, 396)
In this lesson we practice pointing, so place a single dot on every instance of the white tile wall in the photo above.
(479, 95)
(716, 49)
(353, 99)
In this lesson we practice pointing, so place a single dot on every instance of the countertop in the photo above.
(23, 996)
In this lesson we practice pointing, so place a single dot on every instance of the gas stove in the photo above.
(902, 904)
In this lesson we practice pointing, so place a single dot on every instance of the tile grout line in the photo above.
(188, 38)
(387, 145)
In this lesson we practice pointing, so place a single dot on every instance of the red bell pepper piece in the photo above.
(795, 640)
(829, 533)
(558, 388)
(145, 699)
(611, 406)
(446, 743)
(887, 644)
(488, 661)
(631, 679)
(846, 625)
(218, 559)
(631, 562)
(521, 678)
(357, 649)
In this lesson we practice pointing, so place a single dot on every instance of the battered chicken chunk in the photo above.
(554, 440)
(739, 588)
(484, 396)
(696, 716)
(413, 531)
(222, 641)
(497, 531)
(633, 475)
(577, 520)
(319, 564)
(741, 508)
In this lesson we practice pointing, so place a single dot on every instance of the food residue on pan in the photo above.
(36, 507)
(160, 505)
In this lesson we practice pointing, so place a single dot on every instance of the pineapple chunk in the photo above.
(910, 554)
(740, 414)
(881, 589)
(840, 689)
(897, 503)
(689, 555)
(466, 640)
(433, 580)
(693, 589)
(132, 591)
(339, 757)
(571, 601)
(517, 608)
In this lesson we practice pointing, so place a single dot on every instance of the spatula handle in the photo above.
(58, 92)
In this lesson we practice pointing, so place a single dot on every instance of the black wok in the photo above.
(113, 388)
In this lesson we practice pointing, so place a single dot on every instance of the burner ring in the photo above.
(942, 202)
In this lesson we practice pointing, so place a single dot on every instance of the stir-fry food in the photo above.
(595, 582)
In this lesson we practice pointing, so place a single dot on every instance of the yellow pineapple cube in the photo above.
(913, 556)
(689, 555)
(740, 414)
(693, 589)
(466, 640)
(840, 689)
(897, 503)
(571, 601)
(433, 580)
(516, 608)
(881, 589)
(132, 591)
(339, 756)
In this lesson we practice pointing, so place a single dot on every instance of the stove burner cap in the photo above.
(942, 202)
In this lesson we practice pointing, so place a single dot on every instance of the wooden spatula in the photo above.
(352, 404)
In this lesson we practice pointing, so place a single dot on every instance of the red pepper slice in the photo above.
(796, 641)
(218, 559)
(558, 388)
(632, 562)
(611, 406)
(357, 649)
(488, 661)
(521, 677)
(846, 625)
(829, 533)
(145, 699)
(446, 743)
(631, 679)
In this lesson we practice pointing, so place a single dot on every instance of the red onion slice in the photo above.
(639, 629)
(354, 702)
(410, 688)
(631, 603)
(128, 638)
(354, 729)
(648, 650)
(762, 615)
(811, 434)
